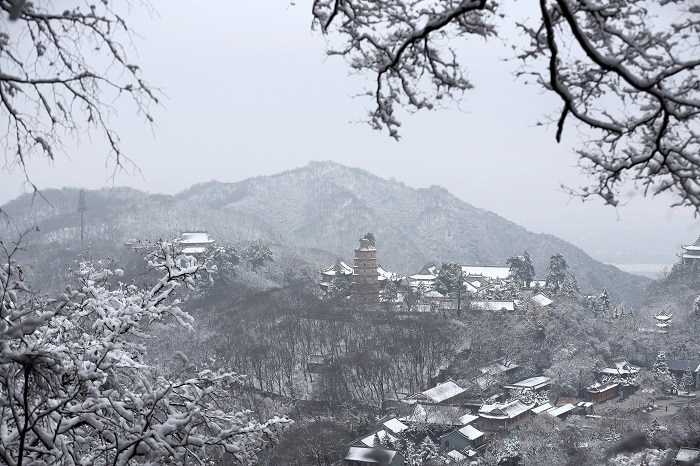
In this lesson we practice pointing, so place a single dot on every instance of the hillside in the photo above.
(322, 206)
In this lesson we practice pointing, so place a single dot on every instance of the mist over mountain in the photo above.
(322, 206)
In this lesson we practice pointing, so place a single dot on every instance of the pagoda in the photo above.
(365, 278)
(691, 252)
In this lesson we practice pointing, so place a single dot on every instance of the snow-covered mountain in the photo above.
(322, 206)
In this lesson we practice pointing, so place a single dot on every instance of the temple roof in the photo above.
(340, 267)
(693, 247)
(194, 237)
(490, 271)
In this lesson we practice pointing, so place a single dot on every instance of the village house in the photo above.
(447, 392)
(562, 412)
(679, 367)
(535, 384)
(600, 392)
(503, 417)
(464, 438)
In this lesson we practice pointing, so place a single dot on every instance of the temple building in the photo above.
(194, 242)
(691, 252)
(338, 270)
(365, 279)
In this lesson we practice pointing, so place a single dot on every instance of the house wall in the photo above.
(599, 397)
(453, 441)
(502, 425)
(456, 441)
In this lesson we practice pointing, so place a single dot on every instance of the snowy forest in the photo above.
(328, 315)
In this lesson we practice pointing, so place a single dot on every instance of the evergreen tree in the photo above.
(696, 307)
(448, 279)
(223, 262)
(427, 449)
(256, 254)
(390, 293)
(556, 272)
(687, 380)
(604, 301)
(660, 371)
(377, 442)
(370, 237)
(412, 296)
(340, 287)
(521, 269)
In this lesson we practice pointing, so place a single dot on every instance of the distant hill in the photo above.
(322, 207)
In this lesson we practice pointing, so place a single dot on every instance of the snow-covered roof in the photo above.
(194, 250)
(470, 432)
(456, 456)
(340, 267)
(382, 434)
(680, 365)
(433, 294)
(386, 275)
(533, 383)
(688, 455)
(542, 408)
(195, 237)
(395, 426)
(621, 367)
(663, 317)
(468, 419)
(493, 305)
(443, 391)
(599, 387)
(370, 455)
(489, 271)
(541, 299)
(428, 272)
(561, 410)
(504, 410)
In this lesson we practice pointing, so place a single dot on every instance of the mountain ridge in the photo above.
(327, 206)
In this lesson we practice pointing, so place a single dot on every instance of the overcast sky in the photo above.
(250, 92)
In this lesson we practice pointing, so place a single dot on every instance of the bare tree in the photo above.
(624, 70)
(60, 66)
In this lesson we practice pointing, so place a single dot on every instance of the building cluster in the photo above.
(456, 421)
(189, 242)
(486, 287)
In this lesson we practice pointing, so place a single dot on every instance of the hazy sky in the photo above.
(250, 92)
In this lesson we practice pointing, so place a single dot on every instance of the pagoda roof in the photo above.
(340, 266)
(693, 247)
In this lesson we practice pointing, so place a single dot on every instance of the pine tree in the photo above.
(687, 380)
(82, 208)
(427, 449)
(604, 301)
(556, 272)
(660, 370)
